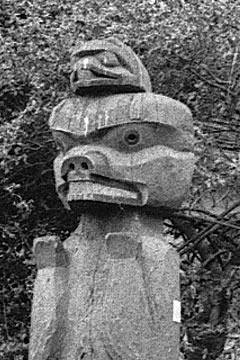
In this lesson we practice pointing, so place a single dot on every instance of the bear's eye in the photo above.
(131, 137)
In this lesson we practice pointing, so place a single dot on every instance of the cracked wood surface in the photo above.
(113, 296)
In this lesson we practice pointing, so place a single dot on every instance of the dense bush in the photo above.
(191, 51)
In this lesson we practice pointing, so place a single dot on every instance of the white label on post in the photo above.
(176, 311)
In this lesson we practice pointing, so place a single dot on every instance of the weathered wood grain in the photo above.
(111, 290)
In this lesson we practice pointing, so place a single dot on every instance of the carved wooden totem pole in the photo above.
(111, 290)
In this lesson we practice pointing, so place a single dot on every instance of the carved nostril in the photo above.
(84, 165)
(71, 166)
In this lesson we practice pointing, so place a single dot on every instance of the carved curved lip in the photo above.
(97, 73)
(93, 78)
(107, 190)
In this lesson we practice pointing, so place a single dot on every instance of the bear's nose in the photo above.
(77, 164)
(82, 163)
(81, 166)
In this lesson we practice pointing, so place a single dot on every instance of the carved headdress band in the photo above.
(83, 115)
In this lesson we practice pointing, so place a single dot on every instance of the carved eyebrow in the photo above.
(81, 53)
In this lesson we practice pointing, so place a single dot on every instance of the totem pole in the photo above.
(111, 290)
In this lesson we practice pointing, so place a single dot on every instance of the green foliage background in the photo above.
(191, 50)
